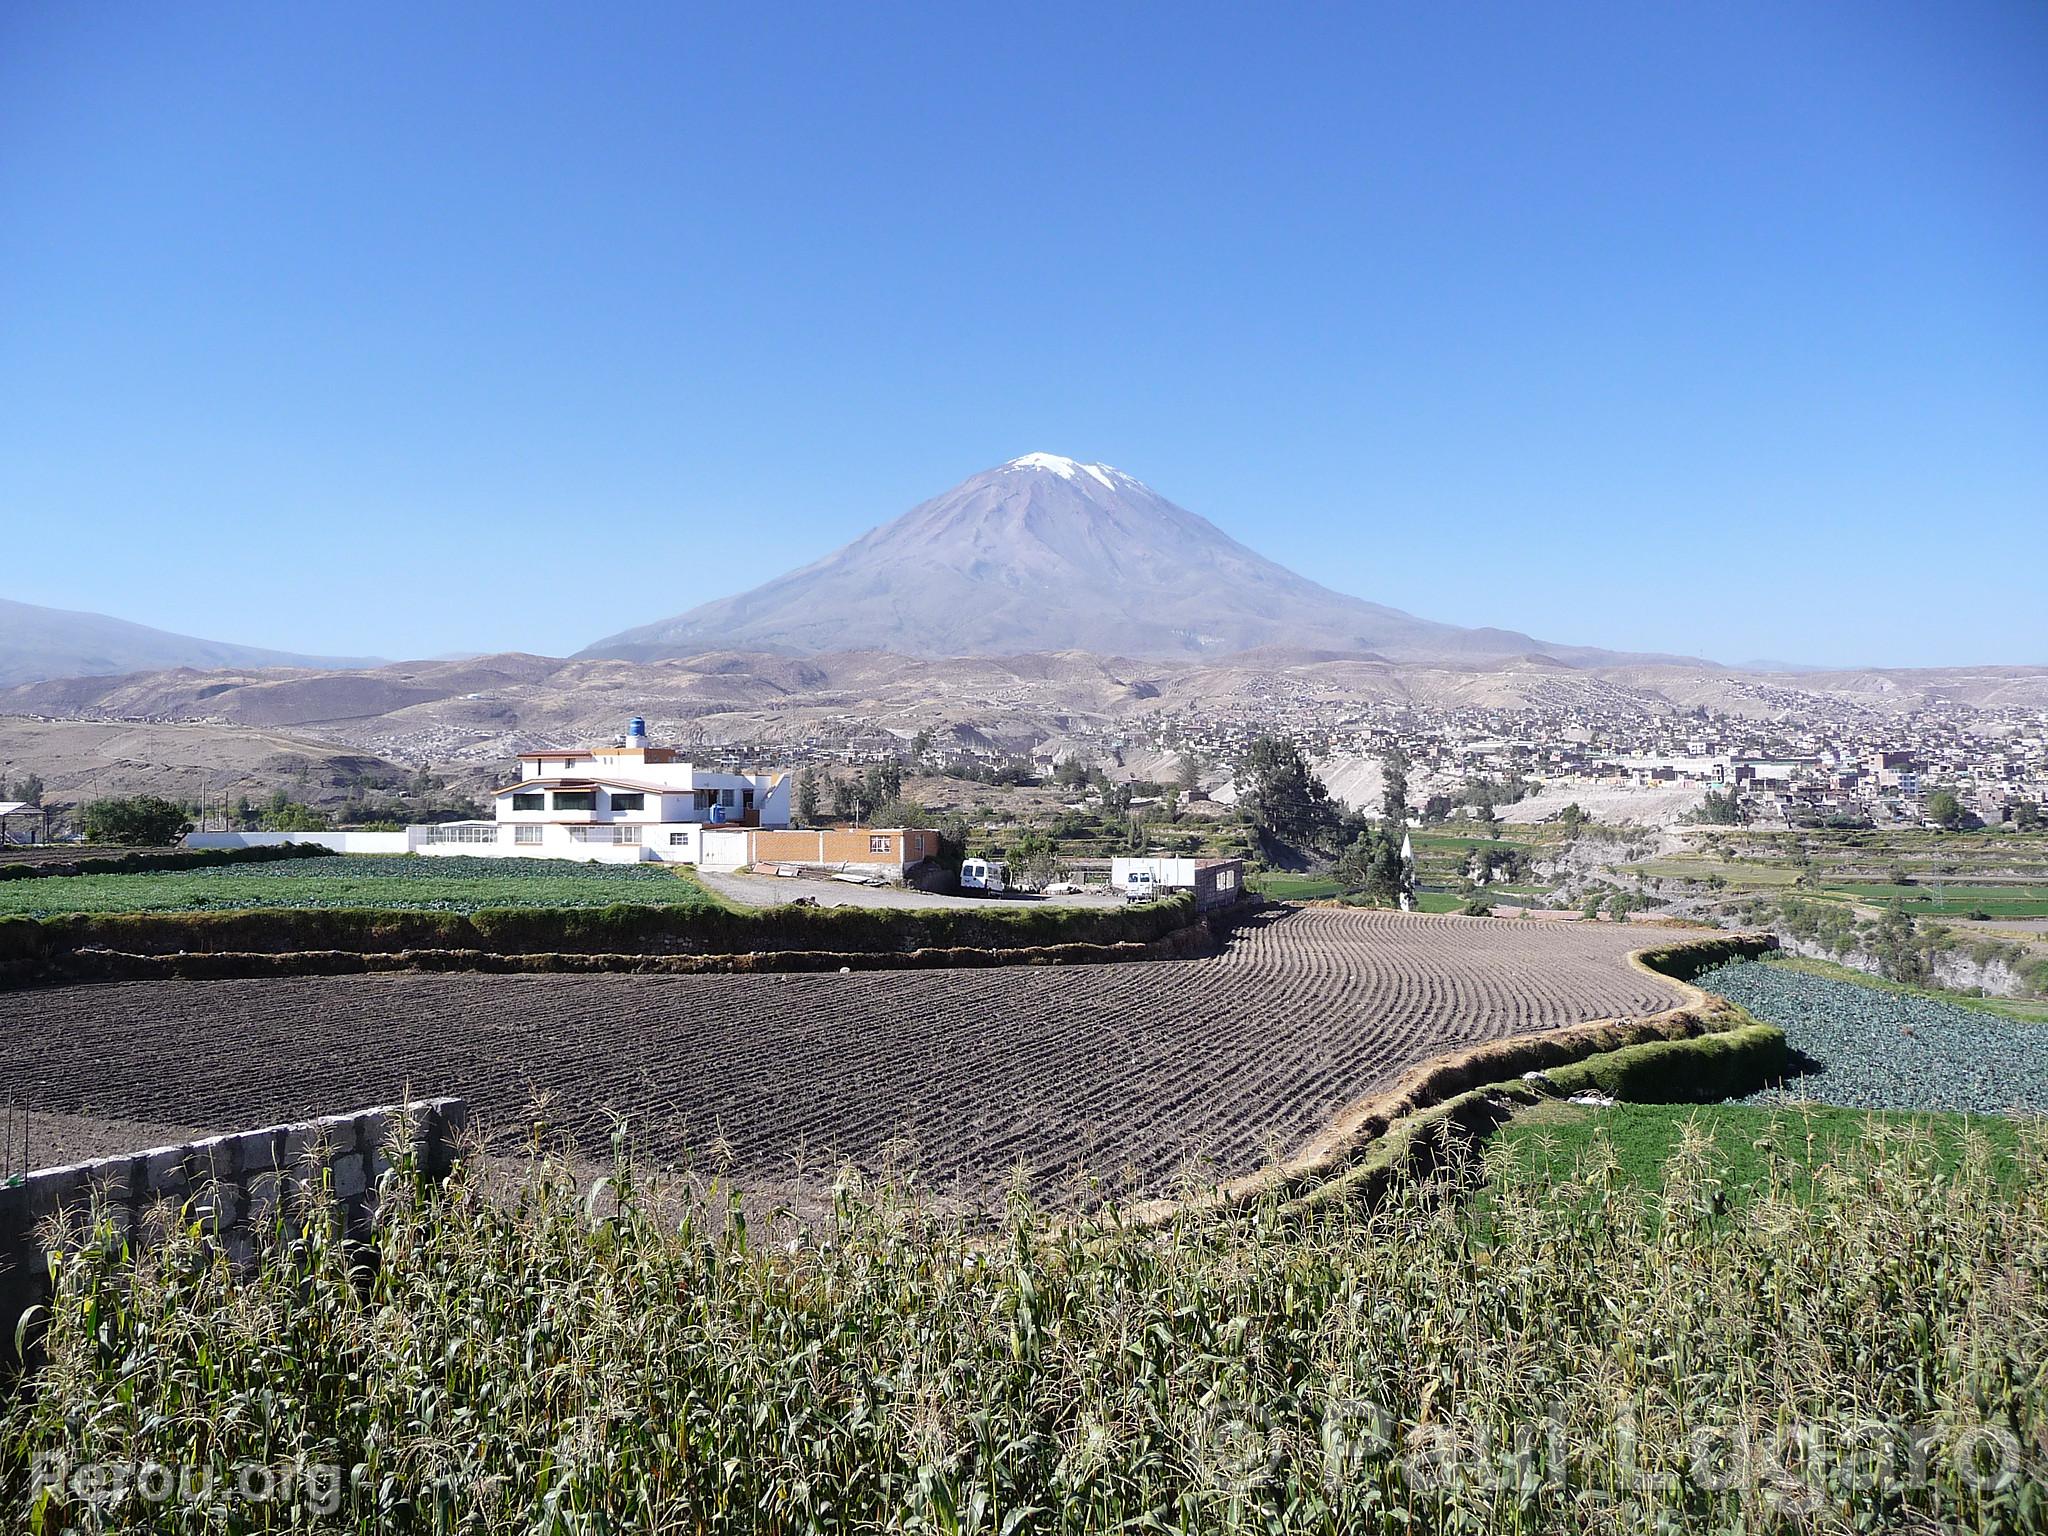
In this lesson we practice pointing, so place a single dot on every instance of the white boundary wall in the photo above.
(340, 842)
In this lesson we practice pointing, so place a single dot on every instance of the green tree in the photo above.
(1070, 773)
(1031, 855)
(807, 798)
(1895, 942)
(1945, 810)
(1394, 785)
(1372, 867)
(1283, 797)
(883, 783)
(847, 802)
(135, 821)
(28, 789)
(1187, 776)
(1721, 809)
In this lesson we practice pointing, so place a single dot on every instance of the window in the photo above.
(626, 834)
(679, 839)
(879, 844)
(1226, 879)
(628, 802)
(530, 802)
(575, 800)
(462, 832)
(527, 835)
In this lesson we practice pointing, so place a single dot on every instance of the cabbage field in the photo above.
(1875, 1049)
(408, 883)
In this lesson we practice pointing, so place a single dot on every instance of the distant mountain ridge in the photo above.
(1046, 553)
(38, 643)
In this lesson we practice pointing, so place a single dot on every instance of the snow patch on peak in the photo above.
(1068, 469)
(1064, 468)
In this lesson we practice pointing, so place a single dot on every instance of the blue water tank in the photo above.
(636, 729)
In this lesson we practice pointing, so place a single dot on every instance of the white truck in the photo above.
(990, 877)
(1143, 879)
(1214, 882)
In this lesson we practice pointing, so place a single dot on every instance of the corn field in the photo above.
(1496, 1353)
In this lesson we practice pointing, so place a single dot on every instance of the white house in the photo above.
(623, 803)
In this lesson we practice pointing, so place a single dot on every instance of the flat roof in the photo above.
(602, 783)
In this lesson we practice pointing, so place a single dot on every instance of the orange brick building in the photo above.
(885, 851)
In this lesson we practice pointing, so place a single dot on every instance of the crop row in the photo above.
(1138, 1072)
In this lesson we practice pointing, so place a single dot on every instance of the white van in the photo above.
(989, 876)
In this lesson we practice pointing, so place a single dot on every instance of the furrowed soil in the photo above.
(1144, 1075)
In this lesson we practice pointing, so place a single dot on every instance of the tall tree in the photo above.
(139, 821)
(1372, 867)
(1283, 796)
(1394, 785)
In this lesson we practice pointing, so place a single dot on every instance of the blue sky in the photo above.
(403, 329)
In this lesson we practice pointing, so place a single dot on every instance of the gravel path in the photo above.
(1138, 1072)
(772, 890)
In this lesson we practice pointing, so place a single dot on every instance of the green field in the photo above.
(1437, 842)
(1749, 1141)
(404, 882)
(1285, 887)
(1950, 900)
(2004, 1007)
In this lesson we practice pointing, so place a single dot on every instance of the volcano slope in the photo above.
(1144, 1075)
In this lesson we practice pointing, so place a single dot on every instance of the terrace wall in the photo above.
(93, 946)
(242, 1182)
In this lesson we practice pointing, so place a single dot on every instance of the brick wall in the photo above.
(900, 847)
(237, 1180)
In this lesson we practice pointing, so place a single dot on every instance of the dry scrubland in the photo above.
(1138, 1072)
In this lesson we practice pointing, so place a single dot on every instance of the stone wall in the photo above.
(234, 1183)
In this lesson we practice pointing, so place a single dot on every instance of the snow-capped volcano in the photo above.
(1050, 553)
(1068, 469)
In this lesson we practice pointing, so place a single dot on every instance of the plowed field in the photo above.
(1139, 1072)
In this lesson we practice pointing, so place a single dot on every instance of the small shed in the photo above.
(22, 824)
(1214, 882)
